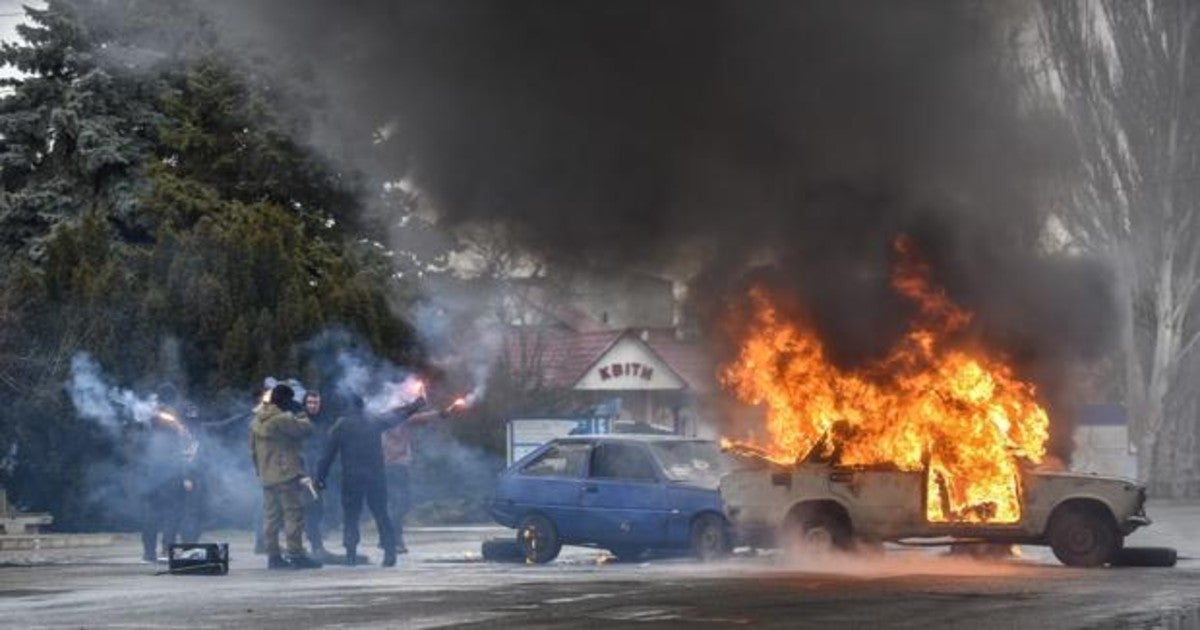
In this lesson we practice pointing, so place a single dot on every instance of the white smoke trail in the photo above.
(382, 385)
(108, 405)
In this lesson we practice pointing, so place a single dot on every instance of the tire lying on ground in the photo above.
(538, 539)
(1145, 557)
(503, 550)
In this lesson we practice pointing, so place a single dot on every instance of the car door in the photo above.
(551, 483)
(624, 496)
(881, 502)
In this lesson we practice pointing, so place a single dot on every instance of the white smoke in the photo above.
(355, 376)
(463, 333)
(98, 400)
(115, 485)
(482, 357)
(393, 394)
(382, 385)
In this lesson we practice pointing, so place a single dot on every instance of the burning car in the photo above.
(625, 493)
(939, 436)
(1083, 518)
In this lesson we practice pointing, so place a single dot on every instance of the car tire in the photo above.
(818, 532)
(1146, 557)
(628, 553)
(710, 538)
(502, 550)
(538, 539)
(1083, 538)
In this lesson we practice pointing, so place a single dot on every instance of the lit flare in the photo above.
(165, 418)
(462, 403)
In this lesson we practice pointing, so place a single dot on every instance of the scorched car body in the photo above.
(1082, 517)
(625, 493)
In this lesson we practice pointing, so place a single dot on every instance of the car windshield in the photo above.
(692, 461)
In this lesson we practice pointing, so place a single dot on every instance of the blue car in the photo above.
(624, 493)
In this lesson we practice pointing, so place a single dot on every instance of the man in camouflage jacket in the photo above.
(277, 436)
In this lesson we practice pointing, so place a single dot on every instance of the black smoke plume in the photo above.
(803, 135)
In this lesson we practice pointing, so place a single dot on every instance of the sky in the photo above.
(12, 14)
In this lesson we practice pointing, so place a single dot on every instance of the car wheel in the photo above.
(816, 533)
(538, 539)
(710, 537)
(1082, 538)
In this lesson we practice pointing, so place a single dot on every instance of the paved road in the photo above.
(443, 582)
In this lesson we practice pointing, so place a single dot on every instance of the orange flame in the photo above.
(960, 414)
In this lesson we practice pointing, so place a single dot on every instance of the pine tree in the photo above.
(151, 189)
(72, 131)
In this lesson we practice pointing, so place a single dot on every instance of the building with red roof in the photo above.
(592, 348)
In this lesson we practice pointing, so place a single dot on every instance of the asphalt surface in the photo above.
(444, 582)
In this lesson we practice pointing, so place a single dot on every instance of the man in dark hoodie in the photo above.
(357, 439)
(277, 436)
(314, 448)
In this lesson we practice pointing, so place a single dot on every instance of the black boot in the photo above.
(351, 556)
(276, 561)
(389, 558)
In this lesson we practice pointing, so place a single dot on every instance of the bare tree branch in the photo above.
(1125, 76)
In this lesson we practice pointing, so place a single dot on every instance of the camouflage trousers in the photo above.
(283, 507)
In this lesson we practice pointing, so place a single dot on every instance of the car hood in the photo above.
(1085, 477)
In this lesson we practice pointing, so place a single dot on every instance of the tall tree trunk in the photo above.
(1136, 396)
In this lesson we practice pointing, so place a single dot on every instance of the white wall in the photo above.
(1103, 449)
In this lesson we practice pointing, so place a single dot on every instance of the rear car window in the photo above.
(561, 460)
(622, 461)
(692, 461)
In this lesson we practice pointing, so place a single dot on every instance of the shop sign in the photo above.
(629, 365)
(626, 370)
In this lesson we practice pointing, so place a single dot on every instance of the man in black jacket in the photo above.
(357, 440)
(314, 448)
(167, 450)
